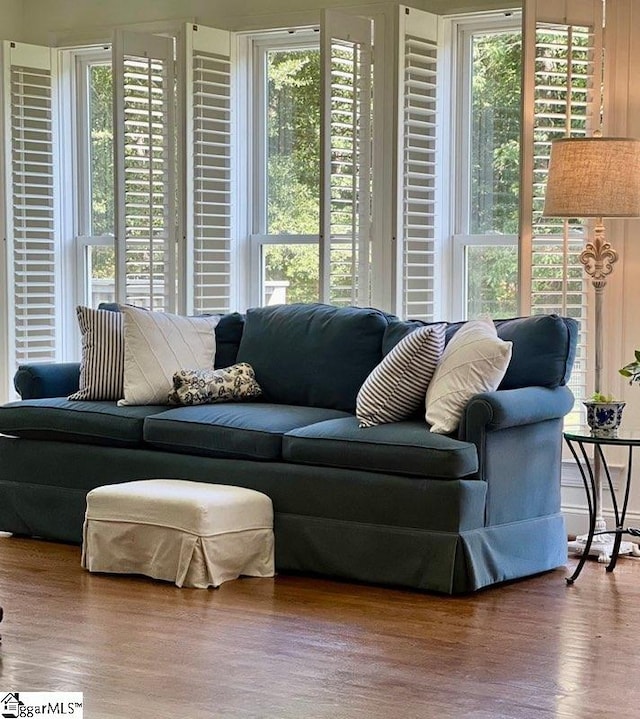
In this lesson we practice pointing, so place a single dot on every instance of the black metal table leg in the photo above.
(590, 490)
(620, 520)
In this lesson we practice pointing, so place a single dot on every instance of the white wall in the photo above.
(11, 24)
(51, 21)
(622, 115)
(54, 21)
(622, 118)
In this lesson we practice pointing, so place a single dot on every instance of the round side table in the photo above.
(591, 470)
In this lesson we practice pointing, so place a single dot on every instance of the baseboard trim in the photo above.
(576, 518)
(571, 476)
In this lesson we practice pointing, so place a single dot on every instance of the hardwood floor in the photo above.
(299, 647)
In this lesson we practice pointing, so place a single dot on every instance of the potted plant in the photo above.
(632, 370)
(604, 414)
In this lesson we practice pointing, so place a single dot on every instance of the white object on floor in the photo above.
(192, 533)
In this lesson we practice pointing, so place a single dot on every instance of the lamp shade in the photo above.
(593, 177)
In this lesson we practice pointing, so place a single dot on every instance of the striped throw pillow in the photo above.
(396, 388)
(102, 364)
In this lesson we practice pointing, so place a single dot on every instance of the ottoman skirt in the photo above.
(191, 533)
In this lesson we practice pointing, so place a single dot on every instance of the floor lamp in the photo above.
(595, 177)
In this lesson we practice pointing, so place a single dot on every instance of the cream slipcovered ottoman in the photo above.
(191, 533)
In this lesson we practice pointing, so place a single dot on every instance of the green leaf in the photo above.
(599, 397)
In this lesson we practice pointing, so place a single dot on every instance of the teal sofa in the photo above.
(392, 504)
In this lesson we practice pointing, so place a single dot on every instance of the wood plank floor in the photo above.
(299, 647)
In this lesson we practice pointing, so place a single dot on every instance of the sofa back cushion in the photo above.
(544, 347)
(228, 336)
(312, 354)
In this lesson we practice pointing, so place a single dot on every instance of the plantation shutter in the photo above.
(32, 243)
(562, 97)
(345, 233)
(416, 203)
(144, 130)
(208, 244)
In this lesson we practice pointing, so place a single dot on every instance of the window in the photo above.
(286, 151)
(316, 220)
(175, 242)
(485, 247)
(562, 98)
(94, 185)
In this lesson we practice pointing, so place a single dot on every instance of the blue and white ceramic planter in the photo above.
(604, 417)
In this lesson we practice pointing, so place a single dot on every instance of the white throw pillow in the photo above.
(396, 387)
(158, 344)
(102, 364)
(475, 360)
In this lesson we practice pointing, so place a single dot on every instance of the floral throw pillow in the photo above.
(203, 386)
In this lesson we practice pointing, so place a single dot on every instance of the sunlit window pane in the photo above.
(495, 133)
(293, 141)
(101, 149)
(492, 281)
(290, 273)
(101, 274)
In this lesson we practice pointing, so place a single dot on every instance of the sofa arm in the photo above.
(36, 381)
(518, 437)
(491, 411)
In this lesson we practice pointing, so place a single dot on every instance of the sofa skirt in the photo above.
(427, 535)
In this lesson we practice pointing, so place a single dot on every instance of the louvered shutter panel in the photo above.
(416, 221)
(144, 129)
(31, 217)
(563, 57)
(345, 235)
(208, 192)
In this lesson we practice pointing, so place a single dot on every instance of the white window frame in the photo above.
(462, 31)
(256, 47)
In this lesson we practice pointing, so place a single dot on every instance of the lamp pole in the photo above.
(598, 258)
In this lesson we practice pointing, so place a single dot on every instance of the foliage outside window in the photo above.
(293, 172)
(101, 149)
(494, 173)
(100, 259)
(495, 128)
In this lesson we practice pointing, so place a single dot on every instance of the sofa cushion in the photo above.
(474, 361)
(158, 344)
(396, 388)
(102, 366)
(228, 336)
(60, 419)
(400, 448)
(397, 330)
(249, 431)
(312, 355)
(544, 347)
(207, 386)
